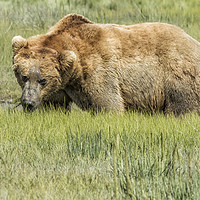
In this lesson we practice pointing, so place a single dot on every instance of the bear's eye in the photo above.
(42, 82)
(24, 78)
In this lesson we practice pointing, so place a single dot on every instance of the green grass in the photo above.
(77, 155)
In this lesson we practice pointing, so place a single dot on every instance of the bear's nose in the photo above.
(28, 105)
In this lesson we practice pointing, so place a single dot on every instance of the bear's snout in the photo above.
(30, 98)
(28, 105)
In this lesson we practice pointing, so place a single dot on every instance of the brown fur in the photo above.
(149, 66)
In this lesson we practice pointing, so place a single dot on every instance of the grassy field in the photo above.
(77, 155)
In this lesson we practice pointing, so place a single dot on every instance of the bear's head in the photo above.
(40, 71)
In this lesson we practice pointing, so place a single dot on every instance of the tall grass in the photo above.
(57, 155)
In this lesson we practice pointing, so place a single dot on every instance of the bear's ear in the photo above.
(67, 59)
(17, 43)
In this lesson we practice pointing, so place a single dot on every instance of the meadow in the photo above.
(55, 154)
(77, 155)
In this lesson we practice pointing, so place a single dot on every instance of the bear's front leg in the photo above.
(94, 99)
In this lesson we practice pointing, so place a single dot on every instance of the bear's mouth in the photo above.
(28, 105)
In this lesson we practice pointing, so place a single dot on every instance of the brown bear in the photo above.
(146, 67)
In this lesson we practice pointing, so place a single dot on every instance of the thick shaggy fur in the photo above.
(146, 67)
